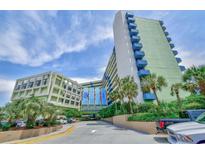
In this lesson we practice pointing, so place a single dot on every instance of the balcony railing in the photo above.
(182, 68)
(178, 60)
(149, 96)
(143, 73)
(130, 20)
(161, 22)
(131, 26)
(133, 32)
(169, 39)
(139, 54)
(141, 63)
(166, 33)
(129, 15)
(135, 39)
(164, 28)
(136, 46)
(171, 45)
(175, 52)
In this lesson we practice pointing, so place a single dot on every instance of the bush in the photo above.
(194, 99)
(30, 124)
(150, 117)
(69, 113)
(144, 107)
(108, 111)
(5, 126)
(193, 105)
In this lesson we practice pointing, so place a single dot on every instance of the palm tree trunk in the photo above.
(178, 101)
(131, 110)
(157, 99)
(202, 87)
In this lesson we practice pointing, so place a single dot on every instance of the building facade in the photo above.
(94, 96)
(142, 47)
(52, 87)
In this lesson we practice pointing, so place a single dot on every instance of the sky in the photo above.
(79, 43)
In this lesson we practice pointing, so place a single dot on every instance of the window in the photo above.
(45, 81)
(58, 82)
(69, 88)
(18, 87)
(68, 96)
(24, 86)
(38, 83)
(67, 101)
(72, 102)
(64, 86)
(74, 90)
(61, 100)
(73, 97)
(78, 92)
(30, 84)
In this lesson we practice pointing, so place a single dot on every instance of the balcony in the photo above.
(135, 39)
(178, 60)
(129, 15)
(143, 73)
(139, 54)
(131, 26)
(141, 64)
(136, 46)
(169, 39)
(164, 28)
(130, 20)
(161, 22)
(133, 32)
(175, 52)
(149, 96)
(171, 45)
(166, 33)
(182, 68)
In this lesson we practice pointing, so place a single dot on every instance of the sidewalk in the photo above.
(66, 130)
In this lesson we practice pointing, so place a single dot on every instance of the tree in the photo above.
(175, 91)
(196, 75)
(114, 96)
(190, 87)
(31, 108)
(154, 83)
(130, 90)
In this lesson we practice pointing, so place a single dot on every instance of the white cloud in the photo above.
(82, 80)
(12, 40)
(6, 85)
(190, 58)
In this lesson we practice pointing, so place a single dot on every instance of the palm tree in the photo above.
(175, 91)
(130, 89)
(196, 75)
(190, 86)
(114, 96)
(154, 83)
(31, 108)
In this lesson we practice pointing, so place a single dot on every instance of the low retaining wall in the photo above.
(121, 120)
(23, 134)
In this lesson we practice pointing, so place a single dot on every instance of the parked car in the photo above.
(188, 132)
(71, 120)
(62, 121)
(20, 124)
(185, 116)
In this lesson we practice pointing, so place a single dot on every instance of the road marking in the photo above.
(93, 131)
(47, 137)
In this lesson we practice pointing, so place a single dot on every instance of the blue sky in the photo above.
(79, 43)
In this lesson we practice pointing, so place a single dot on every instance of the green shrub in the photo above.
(150, 117)
(144, 107)
(30, 124)
(194, 105)
(5, 126)
(69, 113)
(194, 99)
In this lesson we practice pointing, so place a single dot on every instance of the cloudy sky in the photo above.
(79, 43)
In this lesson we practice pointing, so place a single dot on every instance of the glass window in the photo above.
(30, 85)
(58, 82)
(97, 96)
(74, 90)
(91, 96)
(103, 96)
(38, 83)
(85, 96)
(69, 88)
(67, 101)
(45, 81)
(24, 86)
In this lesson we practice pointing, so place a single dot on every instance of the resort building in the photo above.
(50, 86)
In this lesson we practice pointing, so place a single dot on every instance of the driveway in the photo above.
(99, 132)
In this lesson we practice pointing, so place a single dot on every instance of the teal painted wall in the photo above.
(159, 55)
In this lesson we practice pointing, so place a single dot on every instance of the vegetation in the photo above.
(70, 113)
(29, 110)
(154, 83)
(175, 88)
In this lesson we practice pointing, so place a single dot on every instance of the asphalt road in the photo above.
(99, 132)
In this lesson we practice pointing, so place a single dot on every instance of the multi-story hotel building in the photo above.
(50, 86)
(141, 47)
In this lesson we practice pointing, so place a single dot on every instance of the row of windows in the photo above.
(31, 84)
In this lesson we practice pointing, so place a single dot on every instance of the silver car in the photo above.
(188, 132)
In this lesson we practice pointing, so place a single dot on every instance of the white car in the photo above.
(188, 132)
